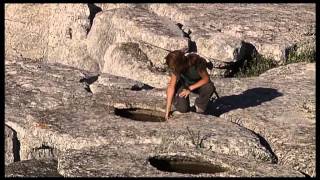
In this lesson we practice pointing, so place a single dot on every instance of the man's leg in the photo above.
(181, 104)
(205, 92)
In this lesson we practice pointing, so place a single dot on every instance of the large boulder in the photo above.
(280, 106)
(80, 34)
(71, 117)
(146, 161)
(128, 60)
(137, 25)
(218, 29)
(49, 32)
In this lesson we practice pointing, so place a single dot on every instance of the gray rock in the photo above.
(109, 81)
(10, 140)
(49, 32)
(118, 160)
(279, 105)
(218, 29)
(128, 60)
(32, 168)
(80, 35)
(124, 25)
(86, 119)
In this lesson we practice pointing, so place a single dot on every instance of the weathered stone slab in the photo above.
(218, 29)
(45, 86)
(86, 121)
(108, 6)
(26, 29)
(279, 105)
(10, 136)
(136, 25)
(141, 161)
(49, 32)
(128, 60)
(80, 34)
(32, 168)
(109, 81)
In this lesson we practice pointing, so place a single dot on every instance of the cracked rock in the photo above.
(134, 161)
(217, 28)
(33, 168)
(273, 106)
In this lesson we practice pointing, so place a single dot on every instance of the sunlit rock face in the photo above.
(85, 91)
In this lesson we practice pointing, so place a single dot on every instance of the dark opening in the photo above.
(185, 166)
(93, 11)
(16, 147)
(141, 114)
(44, 152)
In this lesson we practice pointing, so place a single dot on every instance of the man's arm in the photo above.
(204, 80)
(170, 93)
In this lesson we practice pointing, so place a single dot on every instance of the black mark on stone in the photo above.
(69, 33)
(185, 165)
(138, 87)
(305, 174)
(44, 152)
(93, 11)
(137, 114)
(87, 80)
(192, 46)
(16, 147)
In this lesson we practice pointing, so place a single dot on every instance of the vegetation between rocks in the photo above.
(261, 64)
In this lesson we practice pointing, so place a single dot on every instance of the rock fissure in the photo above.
(87, 80)
(94, 9)
(263, 142)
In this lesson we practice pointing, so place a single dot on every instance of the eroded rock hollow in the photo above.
(85, 91)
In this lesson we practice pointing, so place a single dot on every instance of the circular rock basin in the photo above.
(137, 114)
(185, 165)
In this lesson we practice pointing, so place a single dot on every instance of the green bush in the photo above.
(255, 67)
(260, 64)
(308, 55)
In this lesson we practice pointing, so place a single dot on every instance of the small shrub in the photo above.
(309, 55)
(255, 67)
(260, 64)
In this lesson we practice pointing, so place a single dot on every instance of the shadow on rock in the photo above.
(249, 98)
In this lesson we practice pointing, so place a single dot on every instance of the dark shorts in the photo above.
(183, 104)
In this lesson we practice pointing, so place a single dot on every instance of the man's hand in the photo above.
(184, 93)
(168, 115)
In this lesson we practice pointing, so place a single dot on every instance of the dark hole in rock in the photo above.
(141, 114)
(185, 165)
(138, 87)
(16, 148)
(44, 152)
